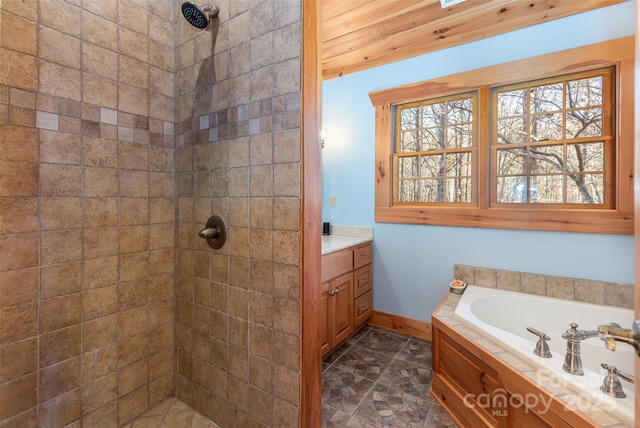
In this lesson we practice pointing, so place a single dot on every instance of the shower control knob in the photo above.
(215, 232)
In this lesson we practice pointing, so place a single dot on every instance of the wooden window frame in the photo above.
(618, 220)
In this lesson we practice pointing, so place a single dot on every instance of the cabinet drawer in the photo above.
(362, 308)
(361, 281)
(335, 264)
(362, 256)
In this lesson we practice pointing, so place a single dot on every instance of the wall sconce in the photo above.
(323, 134)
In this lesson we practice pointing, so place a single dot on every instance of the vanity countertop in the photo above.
(344, 237)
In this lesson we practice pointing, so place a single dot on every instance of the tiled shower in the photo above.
(122, 129)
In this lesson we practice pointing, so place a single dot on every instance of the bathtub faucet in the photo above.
(612, 333)
(572, 360)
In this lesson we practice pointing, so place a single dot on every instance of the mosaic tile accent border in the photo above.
(583, 290)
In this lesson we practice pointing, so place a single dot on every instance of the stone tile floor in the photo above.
(380, 379)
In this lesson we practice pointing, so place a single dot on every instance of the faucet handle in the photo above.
(542, 348)
(611, 383)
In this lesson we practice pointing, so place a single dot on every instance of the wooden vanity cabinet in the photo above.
(346, 294)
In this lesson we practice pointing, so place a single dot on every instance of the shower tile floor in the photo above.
(377, 379)
(380, 379)
(171, 413)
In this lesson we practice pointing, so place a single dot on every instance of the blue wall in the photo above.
(413, 264)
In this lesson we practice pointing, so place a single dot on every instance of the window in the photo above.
(552, 141)
(434, 150)
(544, 143)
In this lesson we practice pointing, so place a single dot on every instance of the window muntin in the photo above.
(435, 151)
(553, 142)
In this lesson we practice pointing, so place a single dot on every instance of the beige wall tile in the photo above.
(134, 239)
(59, 345)
(589, 291)
(99, 91)
(100, 272)
(60, 312)
(18, 143)
(133, 72)
(59, 48)
(100, 61)
(133, 211)
(98, 30)
(18, 251)
(100, 242)
(18, 178)
(134, 17)
(60, 247)
(60, 213)
(58, 379)
(133, 184)
(18, 287)
(162, 107)
(132, 349)
(133, 44)
(18, 395)
(619, 295)
(61, 16)
(133, 266)
(13, 366)
(99, 393)
(24, 9)
(18, 34)
(18, 323)
(58, 280)
(560, 287)
(61, 410)
(99, 302)
(99, 332)
(132, 294)
(108, 10)
(60, 180)
(100, 152)
(132, 377)
(58, 80)
(102, 212)
(18, 215)
(18, 69)
(105, 417)
(60, 147)
(133, 100)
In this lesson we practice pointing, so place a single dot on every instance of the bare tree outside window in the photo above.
(551, 141)
(433, 152)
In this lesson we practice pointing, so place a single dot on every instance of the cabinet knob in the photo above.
(333, 292)
(363, 281)
(364, 308)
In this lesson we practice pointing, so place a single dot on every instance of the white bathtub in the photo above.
(504, 316)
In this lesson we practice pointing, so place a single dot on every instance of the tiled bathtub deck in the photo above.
(380, 379)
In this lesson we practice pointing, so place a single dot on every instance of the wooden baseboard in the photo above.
(408, 326)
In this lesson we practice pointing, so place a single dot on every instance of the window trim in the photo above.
(619, 220)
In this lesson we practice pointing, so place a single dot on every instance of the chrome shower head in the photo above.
(196, 16)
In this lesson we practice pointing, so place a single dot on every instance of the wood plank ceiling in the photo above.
(361, 34)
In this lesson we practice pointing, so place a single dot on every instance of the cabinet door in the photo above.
(342, 307)
(325, 335)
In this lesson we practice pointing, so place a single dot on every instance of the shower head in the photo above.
(196, 16)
